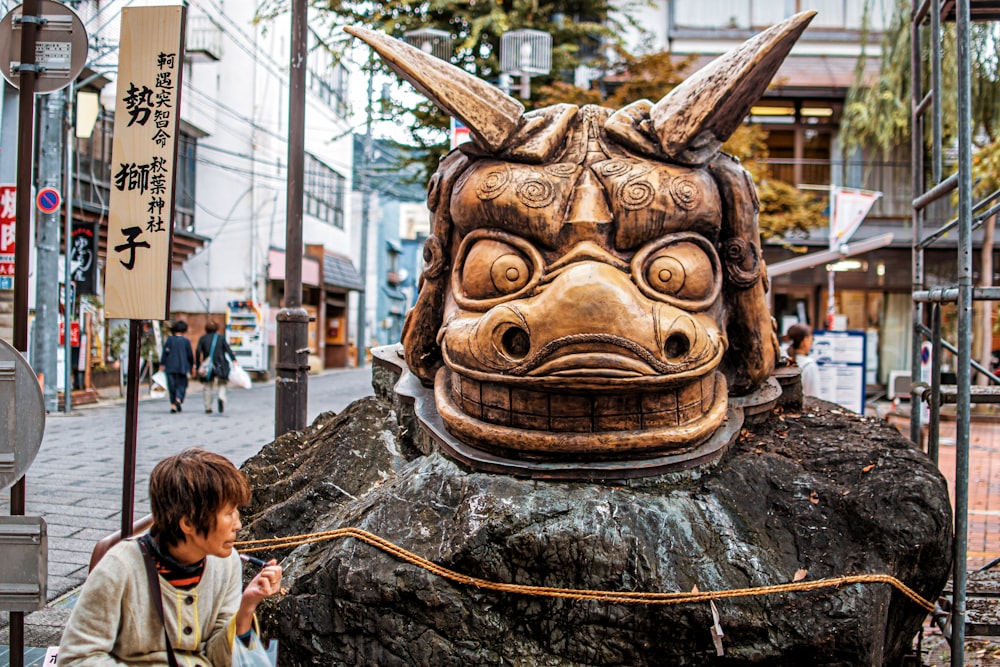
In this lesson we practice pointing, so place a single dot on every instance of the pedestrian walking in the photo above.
(216, 374)
(174, 595)
(176, 361)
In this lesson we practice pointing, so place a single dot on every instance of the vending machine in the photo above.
(246, 333)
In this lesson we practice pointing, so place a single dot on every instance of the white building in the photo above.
(230, 202)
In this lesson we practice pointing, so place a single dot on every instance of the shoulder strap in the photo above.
(211, 352)
(154, 590)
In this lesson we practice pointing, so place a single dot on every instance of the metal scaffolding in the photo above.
(929, 186)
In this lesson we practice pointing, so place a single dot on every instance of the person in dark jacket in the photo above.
(221, 354)
(177, 361)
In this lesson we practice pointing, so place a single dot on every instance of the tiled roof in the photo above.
(340, 272)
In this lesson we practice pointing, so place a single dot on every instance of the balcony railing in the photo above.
(892, 179)
(204, 39)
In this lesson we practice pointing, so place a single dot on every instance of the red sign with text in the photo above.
(8, 205)
(74, 333)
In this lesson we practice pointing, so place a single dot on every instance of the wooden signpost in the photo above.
(137, 282)
(143, 177)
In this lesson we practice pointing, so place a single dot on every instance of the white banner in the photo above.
(849, 208)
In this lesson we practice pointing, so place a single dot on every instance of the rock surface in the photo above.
(817, 490)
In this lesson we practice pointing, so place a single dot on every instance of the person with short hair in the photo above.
(195, 498)
(801, 339)
(177, 360)
(221, 354)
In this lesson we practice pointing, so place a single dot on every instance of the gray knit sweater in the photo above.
(115, 623)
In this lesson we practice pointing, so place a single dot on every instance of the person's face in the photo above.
(221, 537)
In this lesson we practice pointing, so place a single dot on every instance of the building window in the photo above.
(325, 76)
(187, 155)
(324, 192)
(92, 173)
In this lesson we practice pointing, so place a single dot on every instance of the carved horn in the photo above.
(693, 119)
(491, 116)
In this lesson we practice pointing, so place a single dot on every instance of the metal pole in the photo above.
(963, 407)
(917, 254)
(934, 414)
(22, 254)
(366, 204)
(831, 303)
(45, 341)
(131, 425)
(936, 165)
(67, 248)
(291, 386)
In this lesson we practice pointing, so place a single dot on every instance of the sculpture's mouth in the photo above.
(620, 419)
(604, 355)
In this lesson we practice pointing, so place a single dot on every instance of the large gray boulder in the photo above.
(816, 490)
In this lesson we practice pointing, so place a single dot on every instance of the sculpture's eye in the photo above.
(681, 270)
(494, 269)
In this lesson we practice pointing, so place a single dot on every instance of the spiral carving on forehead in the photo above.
(536, 192)
(684, 192)
(614, 168)
(561, 169)
(493, 183)
(636, 194)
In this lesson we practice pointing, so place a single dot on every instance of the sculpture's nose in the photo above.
(588, 203)
(593, 317)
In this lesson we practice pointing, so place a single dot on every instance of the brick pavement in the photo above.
(984, 481)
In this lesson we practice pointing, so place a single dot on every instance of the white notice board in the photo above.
(840, 356)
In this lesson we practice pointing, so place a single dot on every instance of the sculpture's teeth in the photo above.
(502, 404)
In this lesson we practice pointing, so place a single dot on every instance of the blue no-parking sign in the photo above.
(48, 200)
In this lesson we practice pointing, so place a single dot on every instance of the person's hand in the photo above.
(265, 584)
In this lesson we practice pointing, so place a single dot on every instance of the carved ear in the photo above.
(491, 115)
(694, 118)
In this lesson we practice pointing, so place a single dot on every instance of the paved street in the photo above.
(75, 482)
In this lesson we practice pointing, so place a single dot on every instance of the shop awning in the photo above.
(339, 271)
(828, 256)
(276, 267)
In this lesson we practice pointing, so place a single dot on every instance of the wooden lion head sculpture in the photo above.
(593, 284)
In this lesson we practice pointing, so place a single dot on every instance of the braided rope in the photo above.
(627, 597)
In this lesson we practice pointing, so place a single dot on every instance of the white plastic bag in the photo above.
(159, 388)
(239, 377)
(257, 654)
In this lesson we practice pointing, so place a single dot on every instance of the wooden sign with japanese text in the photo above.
(143, 158)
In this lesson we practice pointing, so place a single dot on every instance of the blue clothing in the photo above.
(177, 384)
(177, 356)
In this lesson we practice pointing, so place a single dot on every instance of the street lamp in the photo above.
(431, 41)
(526, 53)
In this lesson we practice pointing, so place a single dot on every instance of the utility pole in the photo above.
(45, 339)
(366, 202)
(22, 254)
(291, 387)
